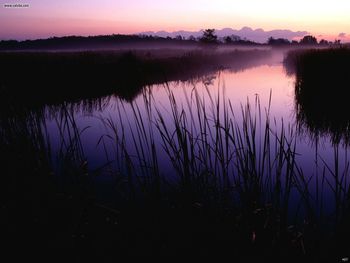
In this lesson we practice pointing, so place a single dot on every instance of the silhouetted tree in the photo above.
(270, 40)
(178, 37)
(324, 42)
(209, 36)
(235, 38)
(308, 40)
(228, 40)
(278, 41)
(231, 39)
(191, 38)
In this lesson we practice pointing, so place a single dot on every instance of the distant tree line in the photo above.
(210, 37)
(306, 40)
(105, 41)
(102, 41)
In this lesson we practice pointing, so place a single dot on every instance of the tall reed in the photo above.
(213, 154)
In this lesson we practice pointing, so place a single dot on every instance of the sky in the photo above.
(43, 18)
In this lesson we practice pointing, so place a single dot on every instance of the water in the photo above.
(269, 81)
(115, 143)
(237, 87)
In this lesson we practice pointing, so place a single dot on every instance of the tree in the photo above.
(209, 36)
(231, 39)
(308, 40)
(270, 41)
(228, 40)
(191, 38)
(235, 38)
(278, 41)
(324, 42)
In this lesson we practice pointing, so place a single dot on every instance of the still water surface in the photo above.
(264, 82)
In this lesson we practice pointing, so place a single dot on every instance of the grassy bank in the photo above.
(322, 84)
(54, 77)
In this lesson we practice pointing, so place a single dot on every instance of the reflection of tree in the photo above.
(321, 101)
(321, 113)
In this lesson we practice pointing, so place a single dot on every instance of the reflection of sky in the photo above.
(64, 17)
(238, 87)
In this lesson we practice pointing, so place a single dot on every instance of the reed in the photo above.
(191, 169)
(215, 156)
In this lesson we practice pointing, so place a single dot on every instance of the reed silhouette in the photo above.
(231, 195)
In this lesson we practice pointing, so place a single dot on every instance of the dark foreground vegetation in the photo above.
(231, 194)
(232, 185)
(321, 92)
(39, 78)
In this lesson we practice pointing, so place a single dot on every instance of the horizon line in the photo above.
(262, 30)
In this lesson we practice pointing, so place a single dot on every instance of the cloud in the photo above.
(342, 35)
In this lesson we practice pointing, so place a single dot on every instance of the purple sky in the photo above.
(78, 17)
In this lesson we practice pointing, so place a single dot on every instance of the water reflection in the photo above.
(197, 135)
(321, 84)
(323, 114)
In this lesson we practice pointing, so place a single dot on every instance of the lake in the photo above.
(238, 152)
(119, 138)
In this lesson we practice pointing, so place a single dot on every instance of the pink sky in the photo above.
(65, 17)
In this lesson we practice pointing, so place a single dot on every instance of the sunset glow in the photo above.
(322, 18)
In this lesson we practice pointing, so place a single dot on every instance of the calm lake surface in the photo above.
(264, 82)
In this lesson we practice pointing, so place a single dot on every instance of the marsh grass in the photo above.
(202, 153)
(322, 82)
(46, 78)
(215, 156)
(196, 176)
(44, 193)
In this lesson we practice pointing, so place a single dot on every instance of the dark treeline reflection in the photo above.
(321, 91)
(45, 78)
